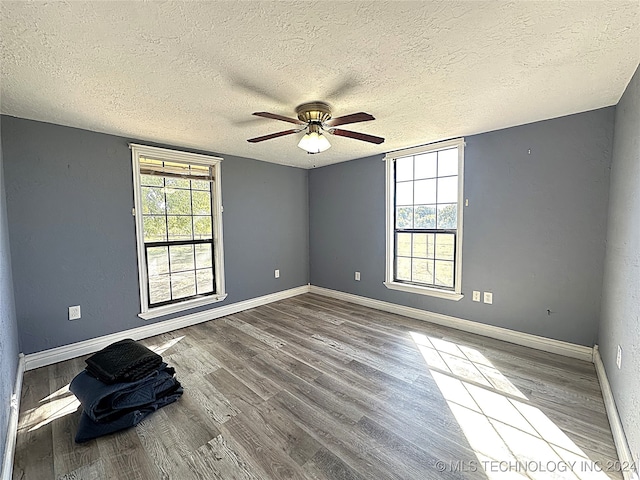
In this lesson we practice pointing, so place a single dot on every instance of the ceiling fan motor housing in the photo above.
(314, 112)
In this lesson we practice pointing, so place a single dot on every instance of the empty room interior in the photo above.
(320, 240)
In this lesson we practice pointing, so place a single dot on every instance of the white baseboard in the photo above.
(66, 352)
(619, 438)
(534, 341)
(12, 428)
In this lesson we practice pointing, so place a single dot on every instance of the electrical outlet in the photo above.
(74, 312)
(619, 357)
(488, 297)
(476, 296)
(358, 276)
(277, 273)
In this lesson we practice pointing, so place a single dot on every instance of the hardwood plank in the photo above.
(255, 435)
(260, 335)
(216, 460)
(193, 361)
(91, 471)
(294, 440)
(124, 457)
(239, 395)
(215, 405)
(326, 466)
(240, 368)
(190, 422)
(164, 446)
(307, 390)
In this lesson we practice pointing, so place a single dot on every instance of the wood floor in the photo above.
(316, 388)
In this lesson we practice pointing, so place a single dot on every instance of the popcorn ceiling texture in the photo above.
(191, 74)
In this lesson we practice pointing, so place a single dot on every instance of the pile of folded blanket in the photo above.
(122, 384)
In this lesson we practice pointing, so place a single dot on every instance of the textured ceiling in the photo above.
(190, 74)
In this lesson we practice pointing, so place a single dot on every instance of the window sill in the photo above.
(434, 292)
(180, 307)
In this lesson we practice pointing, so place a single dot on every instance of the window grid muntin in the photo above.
(434, 231)
(169, 243)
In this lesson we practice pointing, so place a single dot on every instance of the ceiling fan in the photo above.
(315, 118)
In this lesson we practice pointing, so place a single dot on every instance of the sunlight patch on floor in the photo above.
(511, 438)
(161, 348)
(57, 405)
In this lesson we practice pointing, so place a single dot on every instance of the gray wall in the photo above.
(8, 326)
(534, 230)
(69, 197)
(620, 321)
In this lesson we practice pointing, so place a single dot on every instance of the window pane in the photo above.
(403, 269)
(425, 217)
(404, 169)
(425, 192)
(200, 185)
(404, 217)
(176, 182)
(159, 289)
(178, 202)
(183, 284)
(153, 200)
(203, 255)
(444, 246)
(204, 281)
(181, 257)
(448, 162)
(403, 245)
(404, 193)
(444, 273)
(423, 245)
(180, 228)
(155, 229)
(426, 165)
(202, 228)
(201, 202)
(152, 180)
(157, 260)
(448, 216)
(448, 190)
(422, 271)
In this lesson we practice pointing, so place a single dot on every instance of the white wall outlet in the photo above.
(476, 296)
(619, 357)
(277, 274)
(488, 297)
(357, 276)
(74, 312)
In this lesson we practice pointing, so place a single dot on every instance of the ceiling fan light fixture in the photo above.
(314, 142)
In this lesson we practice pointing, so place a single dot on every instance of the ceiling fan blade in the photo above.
(273, 135)
(352, 118)
(279, 117)
(356, 135)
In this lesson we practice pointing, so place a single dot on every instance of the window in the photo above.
(178, 212)
(424, 219)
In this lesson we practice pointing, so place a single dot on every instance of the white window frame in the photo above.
(168, 155)
(389, 282)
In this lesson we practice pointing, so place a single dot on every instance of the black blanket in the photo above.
(123, 361)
